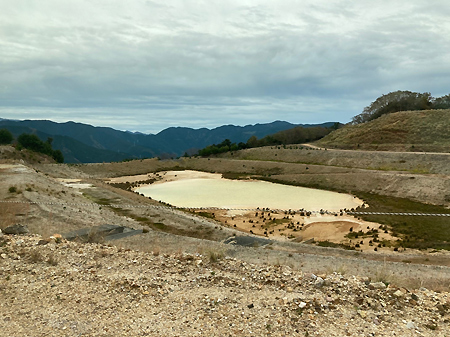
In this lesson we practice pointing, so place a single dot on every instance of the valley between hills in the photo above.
(182, 275)
(402, 188)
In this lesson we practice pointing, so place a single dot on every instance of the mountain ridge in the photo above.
(83, 143)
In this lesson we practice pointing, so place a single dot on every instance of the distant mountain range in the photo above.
(83, 143)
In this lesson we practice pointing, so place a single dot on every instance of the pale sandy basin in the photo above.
(198, 189)
(237, 199)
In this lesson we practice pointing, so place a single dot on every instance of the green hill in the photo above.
(425, 130)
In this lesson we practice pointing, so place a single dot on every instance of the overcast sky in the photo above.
(145, 65)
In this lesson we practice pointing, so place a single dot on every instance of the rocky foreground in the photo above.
(58, 288)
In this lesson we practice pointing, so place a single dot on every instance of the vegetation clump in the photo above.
(334, 245)
(401, 101)
(6, 137)
(215, 256)
(225, 146)
(295, 135)
(418, 232)
(33, 143)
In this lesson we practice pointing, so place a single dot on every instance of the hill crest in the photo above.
(425, 130)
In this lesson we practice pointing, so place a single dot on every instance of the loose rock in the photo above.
(16, 229)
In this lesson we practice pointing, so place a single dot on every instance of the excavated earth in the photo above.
(180, 278)
(59, 288)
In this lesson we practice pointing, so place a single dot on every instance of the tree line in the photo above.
(295, 135)
(401, 101)
(222, 147)
(33, 143)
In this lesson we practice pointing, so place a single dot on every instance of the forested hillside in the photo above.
(81, 143)
(295, 135)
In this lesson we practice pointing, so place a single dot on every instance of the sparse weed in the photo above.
(94, 237)
(156, 251)
(215, 256)
(35, 256)
(385, 275)
(341, 269)
(53, 261)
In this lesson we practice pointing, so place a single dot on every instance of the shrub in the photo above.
(6, 136)
(33, 143)
(215, 256)
(13, 189)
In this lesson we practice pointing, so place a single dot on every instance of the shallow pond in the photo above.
(225, 193)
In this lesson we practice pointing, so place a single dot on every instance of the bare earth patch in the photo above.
(164, 283)
(299, 228)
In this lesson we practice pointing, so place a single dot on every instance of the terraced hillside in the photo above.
(426, 130)
(137, 284)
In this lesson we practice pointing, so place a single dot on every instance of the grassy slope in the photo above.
(427, 130)
(419, 232)
(8, 152)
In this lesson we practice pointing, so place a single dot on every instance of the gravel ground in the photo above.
(58, 288)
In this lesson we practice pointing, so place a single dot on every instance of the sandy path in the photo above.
(165, 176)
(367, 151)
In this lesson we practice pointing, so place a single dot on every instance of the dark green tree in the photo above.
(393, 102)
(442, 102)
(58, 156)
(33, 143)
(252, 141)
(336, 126)
(6, 136)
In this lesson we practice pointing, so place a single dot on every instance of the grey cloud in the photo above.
(194, 65)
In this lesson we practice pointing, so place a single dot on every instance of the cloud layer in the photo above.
(146, 65)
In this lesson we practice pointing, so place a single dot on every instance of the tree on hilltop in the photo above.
(33, 143)
(6, 137)
(393, 102)
(442, 102)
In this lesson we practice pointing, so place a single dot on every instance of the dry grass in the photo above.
(340, 269)
(8, 213)
(386, 275)
(92, 237)
(156, 251)
(35, 256)
(52, 260)
(215, 256)
(435, 284)
(405, 130)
